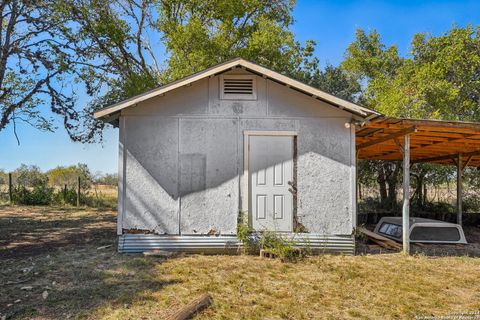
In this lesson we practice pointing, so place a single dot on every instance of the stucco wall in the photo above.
(181, 159)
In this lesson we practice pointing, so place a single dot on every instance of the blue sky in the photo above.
(331, 24)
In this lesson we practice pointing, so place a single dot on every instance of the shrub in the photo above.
(69, 197)
(438, 207)
(280, 246)
(471, 203)
(38, 195)
(247, 235)
(44, 195)
(271, 241)
(66, 196)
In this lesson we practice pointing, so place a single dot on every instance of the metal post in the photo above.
(78, 192)
(406, 195)
(459, 189)
(356, 184)
(10, 192)
(65, 193)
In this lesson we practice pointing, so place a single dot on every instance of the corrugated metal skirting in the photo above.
(138, 243)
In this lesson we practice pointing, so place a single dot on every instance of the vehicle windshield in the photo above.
(391, 229)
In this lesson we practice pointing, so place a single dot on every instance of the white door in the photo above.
(270, 171)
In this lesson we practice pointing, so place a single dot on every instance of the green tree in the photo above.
(440, 79)
(385, 175)
(334, 80)
(62, 175)
(34, 58)
(109, 179)
(115, 58)
(3, 177)
(113, 49)
(29, 176)
(198, 34)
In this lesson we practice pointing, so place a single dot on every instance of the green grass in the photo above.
(86, 282)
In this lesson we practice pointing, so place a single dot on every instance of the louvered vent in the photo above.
(238, 87)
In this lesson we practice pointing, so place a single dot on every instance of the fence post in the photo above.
(65, 193)
(78, 192)
(10, 194)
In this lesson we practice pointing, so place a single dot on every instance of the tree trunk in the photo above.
(383, 186)
(392, 181)
(420, 192)
(424, 200)
(418, 195)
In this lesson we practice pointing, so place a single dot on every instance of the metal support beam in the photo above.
(406, 195)
(387, 137)
(459, 188)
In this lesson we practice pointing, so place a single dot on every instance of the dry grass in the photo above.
(86, 282)
(104, 190)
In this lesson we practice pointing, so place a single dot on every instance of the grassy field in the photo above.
(61, 263)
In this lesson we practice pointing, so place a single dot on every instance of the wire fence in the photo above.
(80, 193)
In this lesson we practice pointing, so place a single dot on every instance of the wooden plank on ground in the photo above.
(381, 243)
(192, 308)
(380, 240)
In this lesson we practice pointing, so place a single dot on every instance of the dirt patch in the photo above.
(31, 231)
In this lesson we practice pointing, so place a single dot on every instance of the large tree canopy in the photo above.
(114, 50)
(33, 61)
(201, 33)
(440, 79)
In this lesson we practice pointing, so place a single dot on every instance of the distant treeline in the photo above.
(63, 185)
(31, 175)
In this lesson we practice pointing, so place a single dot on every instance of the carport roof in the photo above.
(431, 141)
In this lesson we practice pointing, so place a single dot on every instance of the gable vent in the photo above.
(238, 87)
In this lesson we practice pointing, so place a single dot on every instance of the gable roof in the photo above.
(359, 111)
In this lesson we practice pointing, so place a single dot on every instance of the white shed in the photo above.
(234, 138)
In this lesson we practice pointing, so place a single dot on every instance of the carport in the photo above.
(413, 141)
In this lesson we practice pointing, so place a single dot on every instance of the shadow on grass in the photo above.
(28, 233)
(56, 250)
(82, 287)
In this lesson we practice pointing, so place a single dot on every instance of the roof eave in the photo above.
(359, 111)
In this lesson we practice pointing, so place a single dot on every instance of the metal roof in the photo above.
(353, 108)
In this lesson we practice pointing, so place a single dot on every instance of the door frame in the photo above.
(245, 186)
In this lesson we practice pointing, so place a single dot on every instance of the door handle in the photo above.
(293, 189)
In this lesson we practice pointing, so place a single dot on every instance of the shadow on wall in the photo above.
(204, 185)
